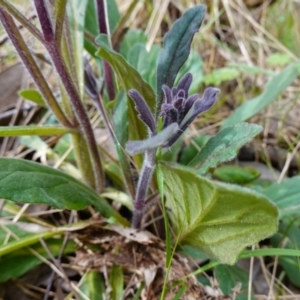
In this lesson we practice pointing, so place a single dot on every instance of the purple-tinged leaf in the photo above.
(171, 116)
(178, 103)
(185, 82)
(143, 109)
(190, 102)
(167, 94)
(135, 147)
(89, 80)
(182, 94)
(208, 99)
(176, 47)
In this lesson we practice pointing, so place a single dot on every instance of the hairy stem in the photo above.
(103, 28)
(31, 65)
(71, 90)
(22, 19)
(142, 188)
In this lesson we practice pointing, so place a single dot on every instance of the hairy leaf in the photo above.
(134, 147)
(286, 196)
(176, 47)
(224, 146)
(130, 78)
(274, 87)
(217, 218)
(28, 182)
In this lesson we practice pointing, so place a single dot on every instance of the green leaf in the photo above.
(217, 218)
(285, 196)
(129, 76)
(17, 263)
(28, 182)
(76, 10)
(34, 96)
(190, 151)
(224, 146)
(176, 47)
(289, 238)
(117, 283)
(279, 59)
(131, 38)
(130, 79)
(217, 76)
(273, 89)
(236, 174)
(228, 278)
(33, 130)
(93, 286)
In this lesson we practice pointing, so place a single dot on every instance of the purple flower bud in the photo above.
(90, 80)
(144, 112)
(167, 93)
(185, 82)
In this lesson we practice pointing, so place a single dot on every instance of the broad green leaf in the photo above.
(236, 174)
(33, 130)
(17, 263)
(289, 238)
(273, 89)
(228, 278)
(176, 47)
(93, 286)
(217, 76)
(34, 96)
(217, 218)
(144, 62)
(131, 38)
(285, 196)
(130, 78)
(28, 182)
(117, 283)
(190, 151)
(224, 146)
(76, 10)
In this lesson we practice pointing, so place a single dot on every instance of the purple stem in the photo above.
(54, 52)
(108, 74)
(142, 188)
(32, 67)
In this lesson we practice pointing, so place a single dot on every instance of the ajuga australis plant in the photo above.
(142, 116)
(178, 111)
